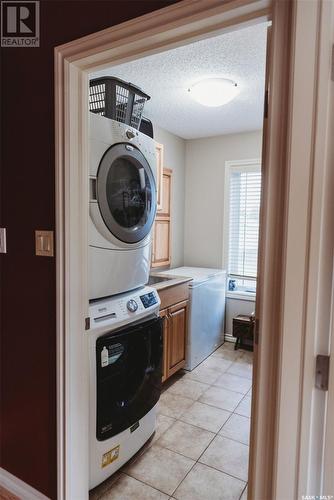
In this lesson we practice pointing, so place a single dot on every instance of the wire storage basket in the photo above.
(113, 98)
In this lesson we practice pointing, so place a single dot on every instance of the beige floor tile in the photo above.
(238, 428)
(217, 363)
(205, 416)
(173, 405)
(248, 356)
(227, 354)
(204, 374)
(205, 483)
(100, 490)
(162, 424)
(187, 388)
(221, 398)
(241, 368)
(128, 488)
(234, 383)
(244, 407)
(161, 468)
(186, 439)
(228, 456)
(244, 494)
(229, 346)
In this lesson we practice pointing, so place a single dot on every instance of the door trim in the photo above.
(181, 23)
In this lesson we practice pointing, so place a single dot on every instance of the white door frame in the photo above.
(176, 25)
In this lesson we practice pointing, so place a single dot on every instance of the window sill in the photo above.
(238, 295)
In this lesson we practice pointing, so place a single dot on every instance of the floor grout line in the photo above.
(147, 484)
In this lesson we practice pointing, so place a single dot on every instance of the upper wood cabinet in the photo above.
(166, 193)
(161, 245)
(159, 148)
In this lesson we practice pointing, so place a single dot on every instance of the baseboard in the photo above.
(18, 487)
(229, 338)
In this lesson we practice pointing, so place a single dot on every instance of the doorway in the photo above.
(167, 28)
(212, 194)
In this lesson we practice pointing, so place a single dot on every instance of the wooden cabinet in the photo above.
(161, 245)
(166, 193)
(177, 329)
(175, 338)
(174, 328)
(160, 165)
(163, 315)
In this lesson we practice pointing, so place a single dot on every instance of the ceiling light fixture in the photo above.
(214, 92)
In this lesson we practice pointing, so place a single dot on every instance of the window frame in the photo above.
(251, 165)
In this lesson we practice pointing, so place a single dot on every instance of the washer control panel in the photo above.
(149, 299)
(119, 309)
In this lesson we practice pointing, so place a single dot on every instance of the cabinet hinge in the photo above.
(87, 323)
(322, 372)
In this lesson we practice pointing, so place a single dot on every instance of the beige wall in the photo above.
(204, 193)
(175, 158)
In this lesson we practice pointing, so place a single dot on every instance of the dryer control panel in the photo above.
(123, 308)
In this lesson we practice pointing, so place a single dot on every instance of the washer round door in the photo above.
(126, 193)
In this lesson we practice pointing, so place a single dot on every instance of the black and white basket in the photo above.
(118, 100)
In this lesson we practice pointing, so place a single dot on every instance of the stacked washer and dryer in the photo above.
(125, 338)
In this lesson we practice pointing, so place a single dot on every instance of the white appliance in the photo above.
(125, 356)
(206, 312)
(122, 190)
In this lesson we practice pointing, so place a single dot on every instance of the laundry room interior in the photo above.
(175, 147)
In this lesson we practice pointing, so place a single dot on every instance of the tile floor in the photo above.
(200, 447)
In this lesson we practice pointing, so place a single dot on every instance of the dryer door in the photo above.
(126, 193)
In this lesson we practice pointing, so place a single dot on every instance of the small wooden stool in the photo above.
(243, 330)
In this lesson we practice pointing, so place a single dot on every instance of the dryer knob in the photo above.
(132, 305)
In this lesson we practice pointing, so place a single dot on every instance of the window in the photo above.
(243, 205)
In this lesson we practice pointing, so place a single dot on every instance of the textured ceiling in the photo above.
(239, 56)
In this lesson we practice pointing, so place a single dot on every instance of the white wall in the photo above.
(175, 158)
(204, 193)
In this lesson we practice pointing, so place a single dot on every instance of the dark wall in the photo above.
(28, 302)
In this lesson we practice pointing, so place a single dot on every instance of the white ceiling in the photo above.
(239, 56)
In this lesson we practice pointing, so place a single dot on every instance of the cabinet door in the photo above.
(161, 243)
(160, 164)
(163, 314)
(177, 336)
(166, 193)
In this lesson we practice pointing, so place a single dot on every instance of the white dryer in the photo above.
(122, 181)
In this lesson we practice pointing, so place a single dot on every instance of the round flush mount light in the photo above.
(214, 91)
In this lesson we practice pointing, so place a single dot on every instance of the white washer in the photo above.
(125, 356)
(122, 206)
(206, 312)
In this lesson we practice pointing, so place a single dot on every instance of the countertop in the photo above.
(176, 280)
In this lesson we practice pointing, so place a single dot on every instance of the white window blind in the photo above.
(244, 208)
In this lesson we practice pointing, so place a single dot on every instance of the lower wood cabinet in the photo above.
(175, 338)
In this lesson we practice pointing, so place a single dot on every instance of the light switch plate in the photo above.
(3, 243)
(44, 243)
